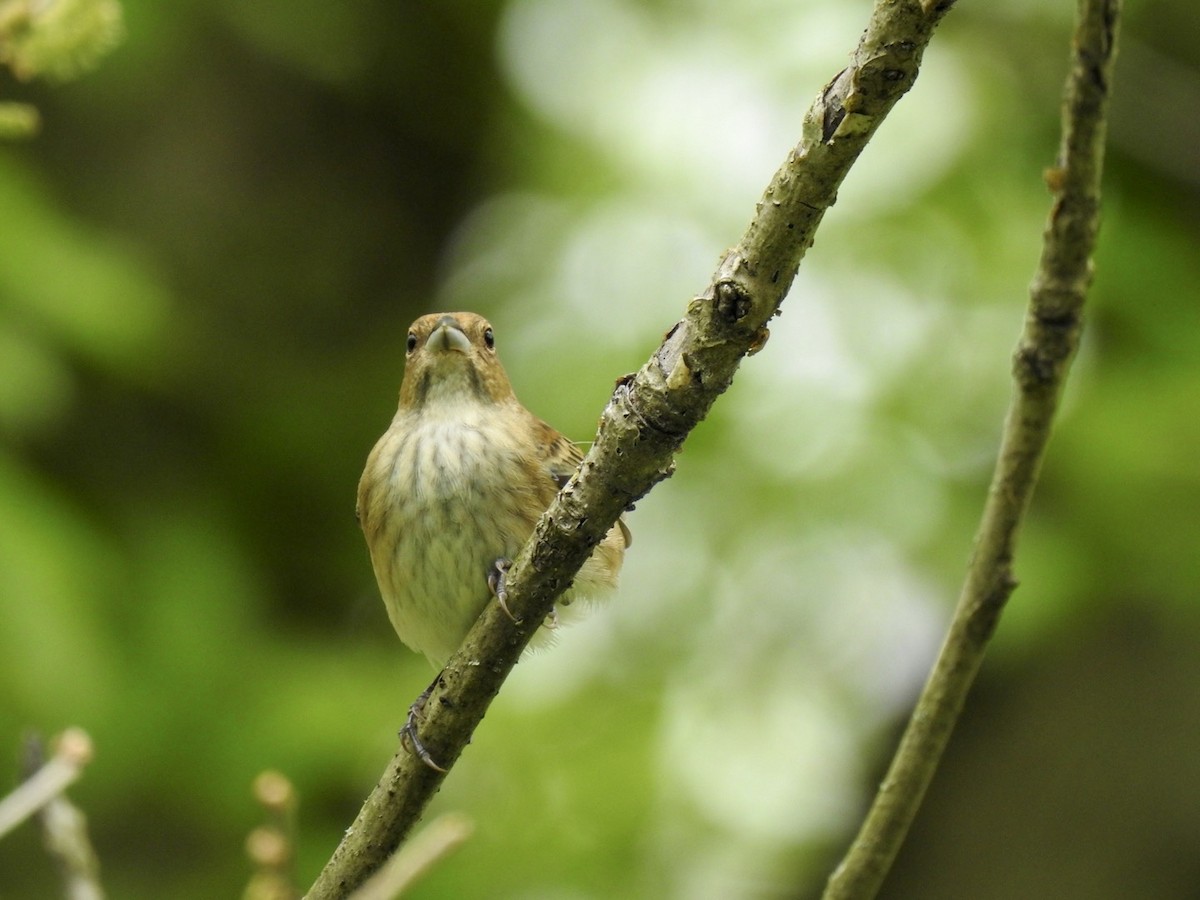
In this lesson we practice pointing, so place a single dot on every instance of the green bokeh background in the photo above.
(208, 261)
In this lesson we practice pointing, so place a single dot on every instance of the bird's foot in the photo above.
(408, 733)
(497, 575)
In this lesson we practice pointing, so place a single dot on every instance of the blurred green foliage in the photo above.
(58, 40)
(207, 265)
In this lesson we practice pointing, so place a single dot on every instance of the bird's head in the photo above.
(451, 358)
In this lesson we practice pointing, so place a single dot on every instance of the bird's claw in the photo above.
(496, 584)
(408, 733)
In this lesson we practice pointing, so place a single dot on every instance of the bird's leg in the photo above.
(496, 577)
(408, 734)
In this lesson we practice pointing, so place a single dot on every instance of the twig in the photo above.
(73, 752)
(1040, 366)
(414, 860)
(65, 834)
(64, 826)
(648, 418)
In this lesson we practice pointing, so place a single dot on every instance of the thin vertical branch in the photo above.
(1040, 366)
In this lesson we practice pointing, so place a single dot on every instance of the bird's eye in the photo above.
(489, 339)
(412, 342)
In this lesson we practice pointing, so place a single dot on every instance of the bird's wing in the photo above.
(562, 457)
(559, 456)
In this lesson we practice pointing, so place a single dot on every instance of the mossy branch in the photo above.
(1040, 365)
(648, 418)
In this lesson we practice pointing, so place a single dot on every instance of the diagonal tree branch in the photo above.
(1040, 366)
(648, 418)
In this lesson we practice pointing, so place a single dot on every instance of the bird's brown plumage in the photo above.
(458, 481)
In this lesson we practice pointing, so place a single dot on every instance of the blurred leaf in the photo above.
(18, 120)
(35, 385)
(56, 575)
(89, 293)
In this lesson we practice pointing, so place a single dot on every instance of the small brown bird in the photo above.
(454, 487)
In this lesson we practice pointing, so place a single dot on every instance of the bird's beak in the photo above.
(448, 336)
